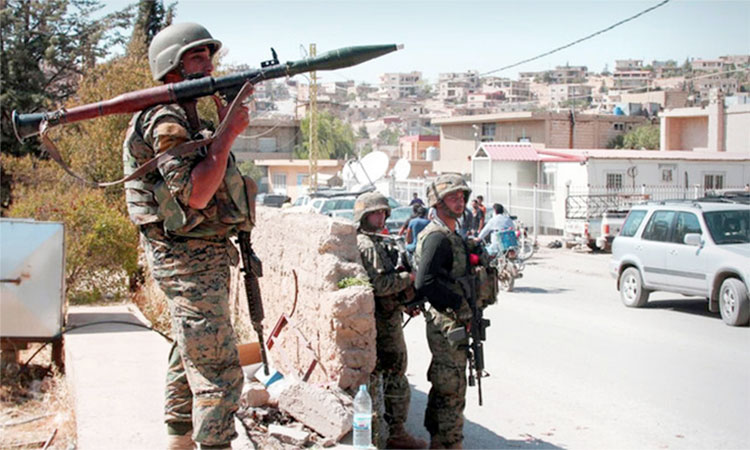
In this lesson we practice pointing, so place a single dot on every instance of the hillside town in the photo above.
(437, 125)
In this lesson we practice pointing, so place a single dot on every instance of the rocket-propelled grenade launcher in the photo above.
(228, 86)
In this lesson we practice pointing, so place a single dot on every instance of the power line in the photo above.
(647, 10)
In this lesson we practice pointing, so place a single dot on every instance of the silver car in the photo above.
(699, 248)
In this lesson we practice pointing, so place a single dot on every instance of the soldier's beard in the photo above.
(366, 226)
(449, 212)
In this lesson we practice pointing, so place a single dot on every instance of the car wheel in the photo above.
(733, 302)
(632, 292)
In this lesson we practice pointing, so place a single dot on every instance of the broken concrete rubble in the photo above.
(289, 435)
(253, 394)
(325, 409)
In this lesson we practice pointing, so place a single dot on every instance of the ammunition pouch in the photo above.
(486, 279)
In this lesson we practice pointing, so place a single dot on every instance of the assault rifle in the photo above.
(477, 330)
(252, 268)
(228, 86)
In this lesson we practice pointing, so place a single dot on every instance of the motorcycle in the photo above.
(504, 256)
(526, 246)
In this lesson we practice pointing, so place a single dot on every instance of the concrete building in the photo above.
(460, 136)
(267, 138)
(455, 86)
(507, 173)
(292, 176)
(513, 91)
(737, 60)
(714, 129)
(631, 79)
(562, 93)
(707, 65)
(561, 74)
(399, 85)
(665, 99)
(414, 148)
(628, 64)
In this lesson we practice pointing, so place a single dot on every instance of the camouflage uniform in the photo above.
(189, 254)
(447, 372)
(391, 288)
(379, 260)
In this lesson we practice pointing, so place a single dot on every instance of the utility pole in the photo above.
(313, 145)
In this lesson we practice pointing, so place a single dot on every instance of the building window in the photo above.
(619, 126)
(713, 181)
(488, 132)
(614, 181)
(303, 179)
(279, 181)
(667, 172)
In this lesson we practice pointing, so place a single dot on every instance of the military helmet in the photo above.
(444, 185)
(171, 43)
(370, 202)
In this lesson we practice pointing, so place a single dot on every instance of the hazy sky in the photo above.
(455, 36)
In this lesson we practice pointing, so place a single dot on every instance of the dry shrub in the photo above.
(31, 392)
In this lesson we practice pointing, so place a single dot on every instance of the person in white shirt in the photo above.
(498, 222)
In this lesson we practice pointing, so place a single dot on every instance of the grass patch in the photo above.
(352, 281)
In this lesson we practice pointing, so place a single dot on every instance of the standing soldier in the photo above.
(392, 289)
(186, 212)
(443, 270)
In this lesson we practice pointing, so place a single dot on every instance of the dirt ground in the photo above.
(36, 408)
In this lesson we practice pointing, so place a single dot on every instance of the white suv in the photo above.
(697, 248)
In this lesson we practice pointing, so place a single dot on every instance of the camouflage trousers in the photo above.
(204, 378)
(444, 416)
(392, 362)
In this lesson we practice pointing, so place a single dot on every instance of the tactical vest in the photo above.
(460, 267)
(149, 199)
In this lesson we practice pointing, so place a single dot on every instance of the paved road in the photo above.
(571, 367)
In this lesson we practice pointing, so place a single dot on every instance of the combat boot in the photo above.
(400, 438)
(435, 444)
(180, 442)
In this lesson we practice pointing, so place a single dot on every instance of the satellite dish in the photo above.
(401, 170)
(370, 168)
(347, 172)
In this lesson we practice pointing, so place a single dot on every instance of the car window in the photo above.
(686, 223)
(316, 203)
(635, 217)
(657, 228)
(729, 227)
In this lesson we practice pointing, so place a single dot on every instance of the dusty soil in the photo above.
(36, 408)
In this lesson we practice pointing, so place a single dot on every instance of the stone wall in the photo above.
(334, 326)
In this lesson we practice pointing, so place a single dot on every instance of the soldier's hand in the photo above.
(413, 310)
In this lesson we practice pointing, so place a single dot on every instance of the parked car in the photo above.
(272, 200)
(398, 217)
(699, 248)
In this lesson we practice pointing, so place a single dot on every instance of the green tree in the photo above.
(101, 244)
(249, 169)
(389, 136)
(362, 133)
(152, 16)
(645, 136)
(335, 138)
(45, 46)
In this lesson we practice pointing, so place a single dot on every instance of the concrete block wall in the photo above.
(335, 326)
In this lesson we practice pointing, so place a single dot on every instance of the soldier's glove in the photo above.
(464, 314)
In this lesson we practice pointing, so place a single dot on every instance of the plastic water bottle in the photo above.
(362, 419)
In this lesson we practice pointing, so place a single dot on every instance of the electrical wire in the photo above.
(76, 327)
(578, 41)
